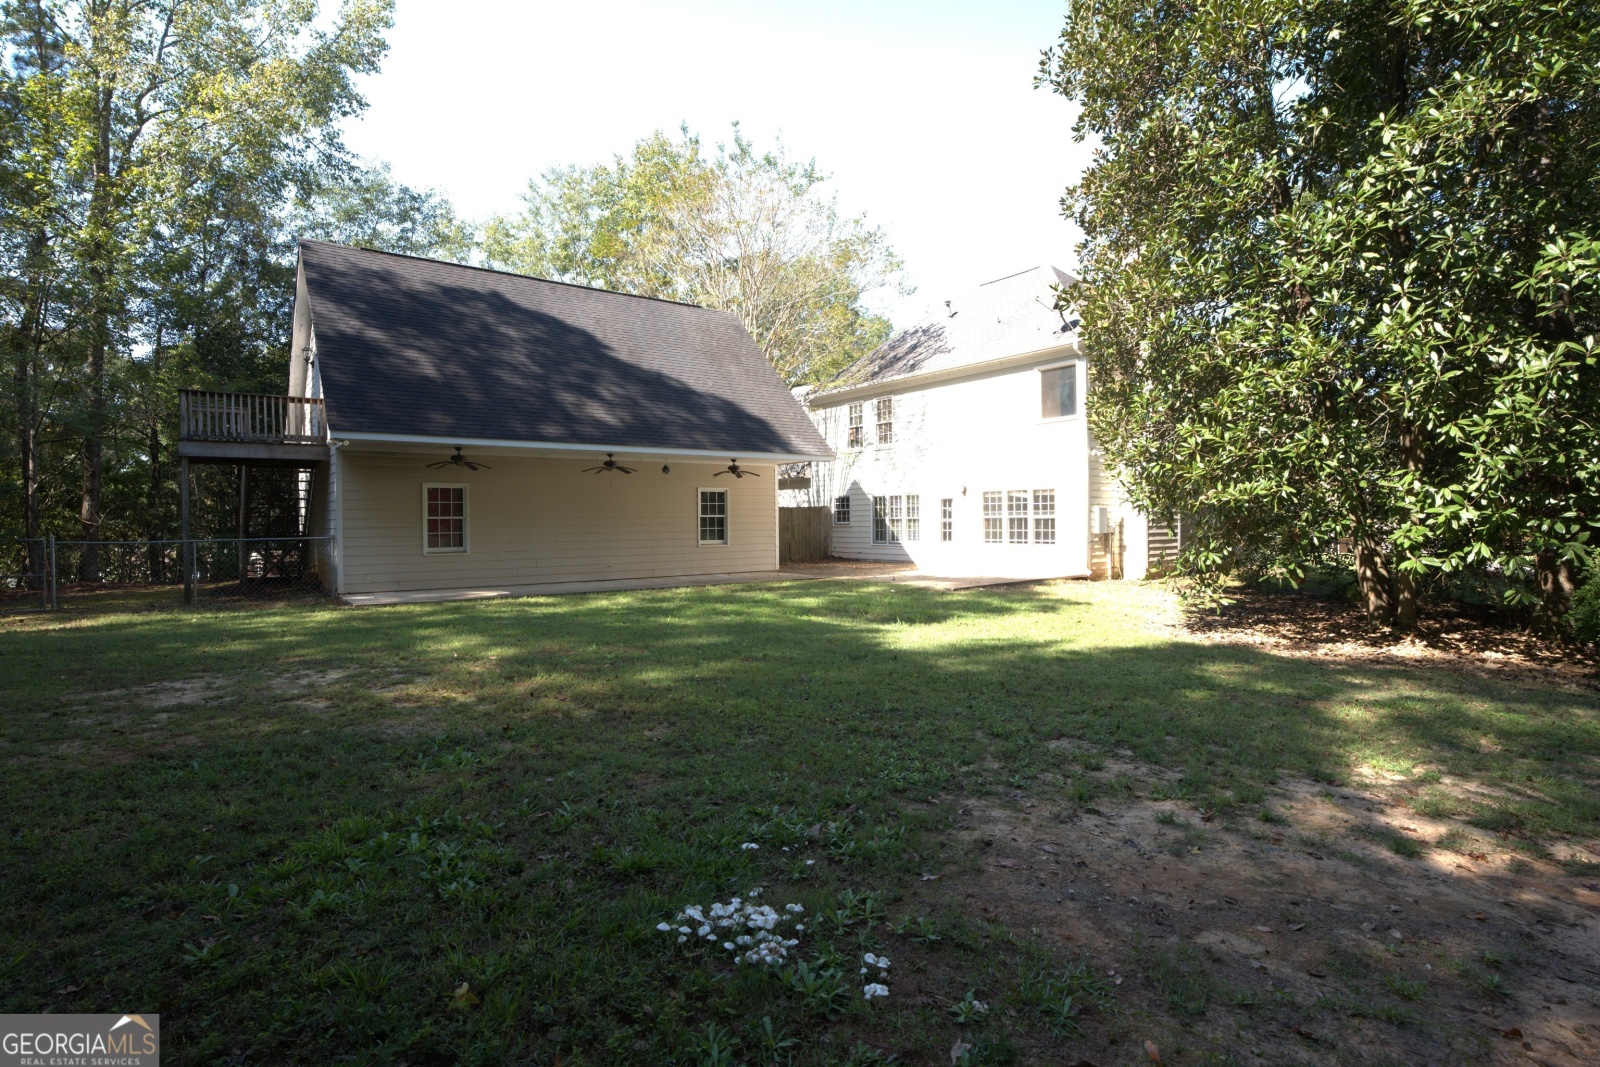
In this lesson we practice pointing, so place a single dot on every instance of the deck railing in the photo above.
(206, 415)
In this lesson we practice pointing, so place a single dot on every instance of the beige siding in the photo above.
(533, 521)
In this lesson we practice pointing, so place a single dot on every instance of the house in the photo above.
(961, 446)
(464, 431)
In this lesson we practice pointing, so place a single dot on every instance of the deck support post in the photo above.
(185, 546)
(244, 516)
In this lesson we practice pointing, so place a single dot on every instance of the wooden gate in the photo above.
(804, 534)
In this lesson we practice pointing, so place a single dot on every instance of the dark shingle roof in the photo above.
(419, 347)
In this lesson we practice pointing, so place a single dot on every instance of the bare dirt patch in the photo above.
(1300, 940)
(1453, 637)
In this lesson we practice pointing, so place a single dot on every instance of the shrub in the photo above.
(1584, 618)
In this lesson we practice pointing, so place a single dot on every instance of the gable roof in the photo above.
(420, 348)
(1009, 316)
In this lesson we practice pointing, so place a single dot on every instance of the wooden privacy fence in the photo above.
(804, 534)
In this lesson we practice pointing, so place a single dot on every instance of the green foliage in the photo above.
(739, 230)
(1341, 279)
(1585, 617)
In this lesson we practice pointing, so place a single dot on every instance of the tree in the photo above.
(361, 204)
(1340, 281)
(142, 108)
(739, 230)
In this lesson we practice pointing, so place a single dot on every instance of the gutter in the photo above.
(582, 449)
(893, 385)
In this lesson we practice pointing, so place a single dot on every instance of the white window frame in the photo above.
(855, 411)
(845, 500)
(947, 518)
(727, 516)
(1018, 518)
(1044, 516)
(994, 517)
(885, 437)
(466, 519)
(912, 530)
(1077, 384)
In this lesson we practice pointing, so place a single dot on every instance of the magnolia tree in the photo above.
(1340, 281)
(736, 229)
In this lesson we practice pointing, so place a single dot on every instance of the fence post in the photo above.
(54, 586)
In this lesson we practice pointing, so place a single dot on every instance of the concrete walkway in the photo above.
(827, 570)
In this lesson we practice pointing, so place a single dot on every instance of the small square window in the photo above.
(444, 519)
(1059, 391)
(841, 511)
(857, 431)
(713, 516)
(947, 523)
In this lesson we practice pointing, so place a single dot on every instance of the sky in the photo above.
(924, 112)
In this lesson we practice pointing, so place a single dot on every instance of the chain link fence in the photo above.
(109, 576)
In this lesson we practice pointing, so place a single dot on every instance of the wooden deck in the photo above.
(253, 429)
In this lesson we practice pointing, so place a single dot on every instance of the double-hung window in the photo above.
(947, 524)
(1044, 516)
(857, 432)
(713, 516)
(993, 520)
(444, 519)
(896, 518)
(841, 510)
(885, 413)
(1058, 388)
(1017, 516)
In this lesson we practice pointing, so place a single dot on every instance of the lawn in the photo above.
(448, 833)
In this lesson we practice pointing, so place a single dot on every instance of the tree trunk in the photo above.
(1405, 586)
(101, 280)
(1557, 582)
(1372, 571)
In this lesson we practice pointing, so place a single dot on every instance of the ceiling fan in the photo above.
(458, 460)
(735, 470)
(609, 465)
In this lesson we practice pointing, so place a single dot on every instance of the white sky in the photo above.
(923, 111)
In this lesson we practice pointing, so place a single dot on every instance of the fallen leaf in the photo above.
(1265, 929)
(1317, 974)
(69, 989)
(1307, 1034)
(464, 996)
(1480, 916)
(1508, 1031)
(1297, 926)
(929, 877)
(1155, 1053)
(1007, 863)
(957, 1050)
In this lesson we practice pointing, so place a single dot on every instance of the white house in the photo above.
(961, 446)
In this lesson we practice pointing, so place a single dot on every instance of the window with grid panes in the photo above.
(713, 516)
(857, 431)
(841, 510)
(913, 530)
(993, 519)
(880, 520)
(1044, 516)
(947, 523)
(1017, 516)
(445, 519)
(885, 412)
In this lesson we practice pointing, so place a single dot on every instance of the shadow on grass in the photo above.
(512, 794)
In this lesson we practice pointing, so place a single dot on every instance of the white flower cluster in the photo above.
(878, 988)
(757, 940)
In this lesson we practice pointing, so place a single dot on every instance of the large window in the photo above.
(1044, 516)
(857, 432)
(444, 522)
(1017, 516)
(947, 519)
(885, 412)
(896, 519)
(1059, 391)
(841, 510)
(713, 516)
(1025, 513)
(993, 519)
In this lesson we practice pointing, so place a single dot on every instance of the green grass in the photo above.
(446, 833)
